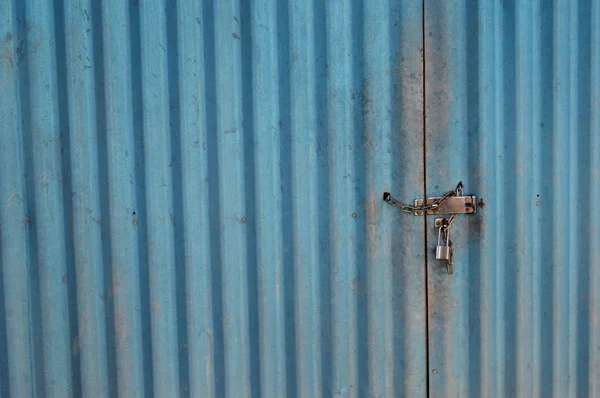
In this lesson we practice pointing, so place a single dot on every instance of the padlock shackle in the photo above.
(446, 238)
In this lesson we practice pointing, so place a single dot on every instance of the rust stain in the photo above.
(121, 327)
(370, 212)
(277, 287)
(211, 338)
(357, 285)
(209, 344)
(11, 199)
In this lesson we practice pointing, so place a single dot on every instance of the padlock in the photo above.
(442, 252)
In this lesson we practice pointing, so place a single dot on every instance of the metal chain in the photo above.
(450, 263)
(430, 206)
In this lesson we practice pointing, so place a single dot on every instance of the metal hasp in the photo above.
(452, 205)
(453, 202)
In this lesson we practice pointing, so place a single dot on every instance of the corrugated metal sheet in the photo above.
(190, 198)
(513, 101)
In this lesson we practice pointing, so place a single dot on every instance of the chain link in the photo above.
(450, 263)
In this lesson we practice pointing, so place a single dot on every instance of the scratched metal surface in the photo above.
(190, 198)
(513, 102)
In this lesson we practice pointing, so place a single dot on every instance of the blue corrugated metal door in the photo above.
(513, 110)
(190, 198)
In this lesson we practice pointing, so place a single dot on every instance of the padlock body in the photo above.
(442, 253)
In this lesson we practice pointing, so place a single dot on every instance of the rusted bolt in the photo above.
(134, 222)
(354, 215)
(243, 220)
(435, 371)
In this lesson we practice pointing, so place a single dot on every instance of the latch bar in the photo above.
(454, 205)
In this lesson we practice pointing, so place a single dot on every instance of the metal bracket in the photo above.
(438, 222)
(452, 205)
(418, 203)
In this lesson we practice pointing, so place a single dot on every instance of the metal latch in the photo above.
(453, 202)
(452, 205)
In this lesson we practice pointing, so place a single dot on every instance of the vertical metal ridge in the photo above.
(16, 287)
(426, 278)
(213, 187)
(457, 68)
(561, 174)
(159, 206)
(487, 168)
(406, 255)
(583, 94)
(574, 384)
(284, 59)
(304, 196)
(360, 300)
(268, 197)
(47, 183)
(87, 245)
(341, 201)
(433, 51)
(124, 214)
(173, 28)
(375, 108)
(195, 199)
(594, 183)
(324, 189)
(472, 150)
(547, 98)
(524, 172)
(536, 212)
(255, 357)
(232, 189)
(498, 205)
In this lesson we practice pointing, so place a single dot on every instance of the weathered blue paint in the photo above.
(190, 198)
(122, 154)
(512, 94)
